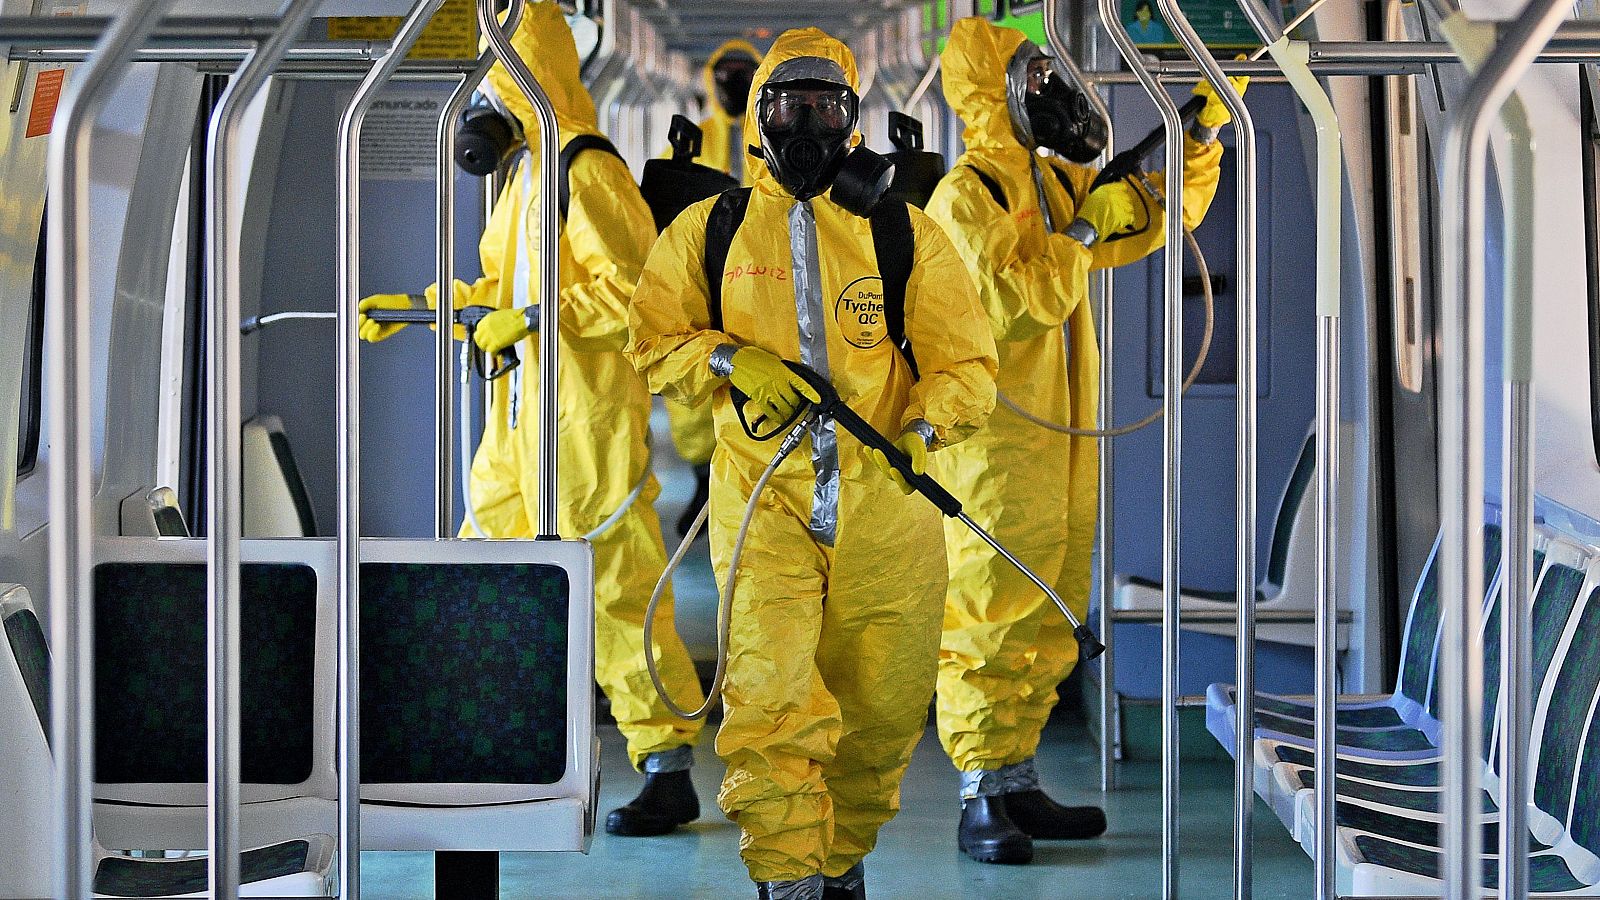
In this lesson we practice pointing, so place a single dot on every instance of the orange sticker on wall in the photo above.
(46, 95)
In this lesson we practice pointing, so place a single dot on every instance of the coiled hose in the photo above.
(725, 601)
(1194, 371)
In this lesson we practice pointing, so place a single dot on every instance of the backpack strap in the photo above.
(1066, 184)
(570, 152)
(894, 243)
(727, 214)
(995, 190)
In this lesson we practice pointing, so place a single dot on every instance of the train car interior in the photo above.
(1271, 419)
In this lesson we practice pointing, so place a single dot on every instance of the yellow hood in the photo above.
(544, 41)
(974, 71)
(793, 44)
(733, 46)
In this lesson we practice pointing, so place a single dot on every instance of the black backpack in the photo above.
(999, 193)
(892, 242)
(569, 153)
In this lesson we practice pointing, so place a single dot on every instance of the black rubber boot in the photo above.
(1044, 819)
(808, 888)
(987, 833)
(852, 885)
(702, 490)
(667, 801)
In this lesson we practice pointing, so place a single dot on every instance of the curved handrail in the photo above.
(1172, 423)
(223, 422)
(347, 537)
(69, 380)
(549, 276)
(1461, 425)
(1245, 234)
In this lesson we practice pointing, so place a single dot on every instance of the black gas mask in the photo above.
(1051, 109)
(731, 76)
(806, 124)
(486, 135)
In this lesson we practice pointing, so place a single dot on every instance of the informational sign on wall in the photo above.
(46, 97)
(452, 33)
(1220, 23)
(397, 137)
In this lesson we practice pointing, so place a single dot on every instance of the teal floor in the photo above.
(916, 855)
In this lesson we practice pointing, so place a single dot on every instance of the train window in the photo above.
(1591, 223)
(32, 405)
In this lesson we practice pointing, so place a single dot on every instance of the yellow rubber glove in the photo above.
(501, 330)
(774, 390)
(381, 331)
(1215, 114)
(911, 444)
(1110, 208)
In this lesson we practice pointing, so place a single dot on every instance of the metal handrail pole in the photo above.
(348, 438)
(1461, 433)
(225, 477)
(1171, 429)
(444, 362)
(1245, 446)
(1292, 57)
(549, 283)
(1105, 569)
(69, 375)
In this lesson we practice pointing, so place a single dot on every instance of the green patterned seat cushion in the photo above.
(121, 876)
(463, 673)
(150, 672)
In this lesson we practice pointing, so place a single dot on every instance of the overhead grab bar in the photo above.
(225, 511)
(1461, 436)
(69, 378)
(1172, 423)
(549, 283)
(1245, 232)
(348, 438)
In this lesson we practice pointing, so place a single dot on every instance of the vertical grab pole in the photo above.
(1171, 428)
(445, 274)
(549, 282)
(1292, 57)
(1104, 568)
(348, 537)
(223, 422)
(1461, 476)
(69, 376)
(1473, 42)
(1245, 452)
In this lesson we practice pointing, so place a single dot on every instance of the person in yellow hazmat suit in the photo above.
(727, 76)
(835, 618)
(1030, 230)
(606, 485)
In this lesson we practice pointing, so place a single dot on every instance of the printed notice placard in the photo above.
(46, 96)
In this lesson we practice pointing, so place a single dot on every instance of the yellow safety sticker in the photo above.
(452, 33)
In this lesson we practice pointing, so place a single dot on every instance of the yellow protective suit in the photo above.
(833, 642)
(1005, 646)
(604, 407)
(723, 144)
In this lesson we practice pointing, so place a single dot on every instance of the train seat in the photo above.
(1564, 815)
(276, 502)
(1395, 727)
(293, 868)
(1557, 597)
(1290, 585)
(476, 709)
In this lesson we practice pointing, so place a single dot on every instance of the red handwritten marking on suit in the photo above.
(777, 273)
